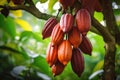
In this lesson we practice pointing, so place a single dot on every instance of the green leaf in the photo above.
(98, 16)
(98, 41)
(41, 64)
(117, 12)
(24, 35)
(99, 65)
(43, 1)
(27, 34)
(117, 1)
(51, 4)
(8, 25)
(35, 1)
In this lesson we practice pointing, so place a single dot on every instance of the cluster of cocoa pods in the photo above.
(68, 39)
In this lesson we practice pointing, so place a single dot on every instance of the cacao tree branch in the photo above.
(35, 12)
(110, 19)
(30, 2)
(9, 49)
(109, 16)
(109, 60)
(110, 48)
(31, 9)
(103, 31)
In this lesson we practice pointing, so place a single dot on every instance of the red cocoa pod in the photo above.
(18, 2)
(57, 68)
(75, 37)
(89, 5)
(98, 6)
(48, 27)
(86, 46)
(51, 54)
(67, 3)
(77, 61)
(57, 35)
(64, 52)
(83, 21)
(66, 22)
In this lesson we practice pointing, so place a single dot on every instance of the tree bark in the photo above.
(109, 61)
(110, 46)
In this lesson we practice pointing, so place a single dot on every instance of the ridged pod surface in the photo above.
(83, 21)
(48, 27)
(86, 46)
(57, 35)
(57, 68)
(77, 61)
(67, 3)
(91, 6)
(66, 22)
(51, 54)
(64, 52)
(75, 37)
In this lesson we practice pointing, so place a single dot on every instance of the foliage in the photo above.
(22, 49)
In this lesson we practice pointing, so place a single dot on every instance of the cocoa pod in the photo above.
(48, 27)
(86, 46)
(98, 6)
(64, 52)
(75, 37)
(83, 20)
(57, 68)
(67, 3)
(66, 22)
(77, 61)
(89, 5)
(51, 54)
(57, 35)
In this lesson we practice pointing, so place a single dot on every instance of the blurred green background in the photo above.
(23, 51)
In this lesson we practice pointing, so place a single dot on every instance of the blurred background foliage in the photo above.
(23, 51)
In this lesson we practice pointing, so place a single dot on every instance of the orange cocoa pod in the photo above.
(75, 37)
(64, 52)
(67, 3)
(77, 61)
(48, 27)
(66, 22)
(83, 21)
(86, 46)
(57, 35)
(57, 68)
(51, 54)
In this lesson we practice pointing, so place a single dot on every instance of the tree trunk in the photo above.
(110, 46)
(109, 61)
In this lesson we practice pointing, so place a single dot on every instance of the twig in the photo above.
(9, 49)
(31, 9)
(104, 32)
